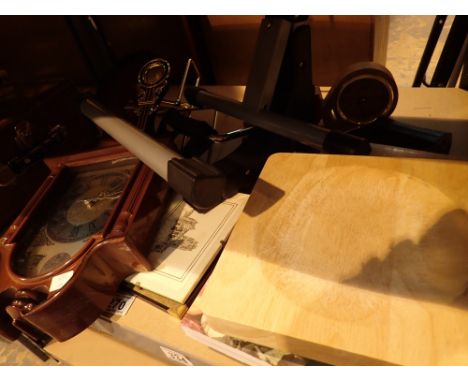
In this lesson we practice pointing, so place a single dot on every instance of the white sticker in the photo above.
(176, 356)
(120, 304)
(59, 281)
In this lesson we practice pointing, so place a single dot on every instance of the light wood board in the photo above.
(350, 260)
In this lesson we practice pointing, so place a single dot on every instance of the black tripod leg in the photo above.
(429, 50)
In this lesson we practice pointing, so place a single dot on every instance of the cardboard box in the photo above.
(149, 329)
(91, 348)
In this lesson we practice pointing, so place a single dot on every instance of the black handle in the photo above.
(306, 133)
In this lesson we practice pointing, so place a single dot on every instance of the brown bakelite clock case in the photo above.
(86, 228)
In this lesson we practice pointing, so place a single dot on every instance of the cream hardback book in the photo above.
(185, 246)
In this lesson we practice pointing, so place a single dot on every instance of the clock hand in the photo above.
(89, 203)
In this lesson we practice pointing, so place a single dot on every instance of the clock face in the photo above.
(77, 208)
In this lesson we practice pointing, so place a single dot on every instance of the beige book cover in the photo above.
(185, 246)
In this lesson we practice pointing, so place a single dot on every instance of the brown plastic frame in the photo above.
(108, 257)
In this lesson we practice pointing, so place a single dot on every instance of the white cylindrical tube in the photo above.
(153, 154)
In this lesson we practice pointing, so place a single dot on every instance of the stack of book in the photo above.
(195, 326)
(187, 244)
(183, 254)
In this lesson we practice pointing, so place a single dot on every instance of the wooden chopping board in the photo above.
(350, 260)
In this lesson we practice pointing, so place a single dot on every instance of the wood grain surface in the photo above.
(350, 260)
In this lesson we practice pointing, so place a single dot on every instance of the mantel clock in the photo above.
(86, 229)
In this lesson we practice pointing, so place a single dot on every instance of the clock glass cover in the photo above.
(77, 208)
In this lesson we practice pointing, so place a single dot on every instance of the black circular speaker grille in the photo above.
(363, 100)
(365, 93)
